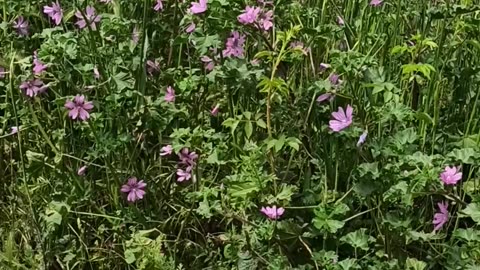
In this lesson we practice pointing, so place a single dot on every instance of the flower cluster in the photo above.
(257, 16)
(186, 164)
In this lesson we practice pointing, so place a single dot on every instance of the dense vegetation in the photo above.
(221, 134)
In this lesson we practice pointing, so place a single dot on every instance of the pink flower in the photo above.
(324, 66)
(152, 67)
(170, 95)
(13, 130)
(55, 12)
(215, 110)
(199, 7)
(38, 66)
(166, 150)
(376, 3)
(326, 96)
(273, 212)
(81, 171)
(451, 175)
(362, 138)
(265, 20)
(184, 175)
(234, 45)
(158, 6)
(135, 35)
(190, 28)
(79, 108)
(187, 158)
(341, 119)
(340, 21)
(2, 72)
(249, 15)
(33, 87)
(21, 26)
(441, 217)
(91, 17)
(135, 189)
(208, 63)
(334, 79)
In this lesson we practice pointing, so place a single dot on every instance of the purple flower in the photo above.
(441, 217)
(21, 26)
(2, 72)
(13, 130)
(341, 119)
(184, 175)
(265, 20)
(249, 16)
(166, 150)
(91, 17)
(135, 35)
(38, 66)
(79, 108)
(158, 6)
(326, 96)
(199, 7)
(55, 12)
(376, 3)
(234, 45)
(134, 188)
(170, 95)
(187, 158)
(81, 171)
(451, 175)
(334, 79)
(33, 87)
(153, 67)
(190, 28)
(96, 74)
(340, 21)
(362, 138)
(273, 212)
(215, 110)
(208, 63)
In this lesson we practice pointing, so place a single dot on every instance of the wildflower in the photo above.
(55, 12)
(134, 188)
(249, 16)
(152, 67)
(190, 28)
(324, 66)
(38, 66)
(451, 175)
(166, 150)
(2, 72)
(79, 108)
(340, 21)
(342, 119)
(170, 95)
(96, 74)
(265, 20)
(255, 62)
(234, 45)
(158, 6)
(135, 35)
(441, 217)
(323, 97)
(184, 175)
(13, 130)
(362, 138)
(215, 110)
(199, 7)
(376, 3)
(21, 26)
(91, 17)
(187, 158)
(334, 79)
(273, 212)
(33, 87)
(209, 64)
(81, 171)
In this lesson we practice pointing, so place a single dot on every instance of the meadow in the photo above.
(228, 134)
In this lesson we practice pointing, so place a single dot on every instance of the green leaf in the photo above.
(248, 129)
(469, 235)
(129, 256)
(465, 155)
(473, 211)
(425, 117)
(358, 239)
(261, 123)
(415, 264)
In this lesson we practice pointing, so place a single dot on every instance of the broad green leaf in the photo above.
(248, 129)
(473, 211)
(465, 155)
(414, 264)
(469, 234)
(358, 239)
